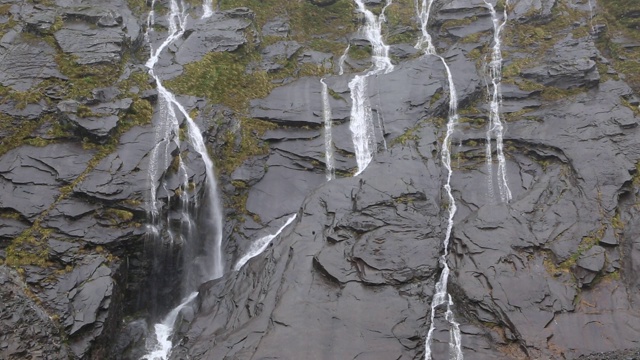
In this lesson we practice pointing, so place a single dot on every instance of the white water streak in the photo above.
(496, 128)
(207, 8)
(166, 132)
(177, 21)
(361, 124)
(261, 244)
(441, 295)
(164, 330)
(342, 59)
(593, 28)
(328, 142)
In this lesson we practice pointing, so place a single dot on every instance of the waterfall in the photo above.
(361, 124)
(328, 143)
(164, 330)
(261, 244)
(207, 8)
(495, 124)
(593, 28)
(441, 296)
(342, 59)
(201, 236)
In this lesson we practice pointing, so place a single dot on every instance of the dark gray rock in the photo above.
(117, 176)
(609, 238)
(30, 176)
(295, 104)
(223, 31)
(25, 64)
(376, 212)
(66, 252)
(40, 21)
(533, 10)
(403, 51)
(91, 46)
(570, 64)
(317, 58)
(101, 120)
(592, 259)
(31, 111)
(11, 228)
(277, 27)
(275, 56)
(283, 179)
(81, 298)
(251, 171)
(26, 329)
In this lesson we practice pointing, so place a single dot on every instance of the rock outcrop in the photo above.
(550, 274)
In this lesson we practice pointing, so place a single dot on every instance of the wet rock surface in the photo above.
(550, 274)
(26, 329)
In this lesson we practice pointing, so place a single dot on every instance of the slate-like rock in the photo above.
(26, 329)
(91, 46)
(31, 176)
(24, 64)
(223, 31)
(570, 64)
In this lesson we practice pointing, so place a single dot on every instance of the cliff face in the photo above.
(549, 273)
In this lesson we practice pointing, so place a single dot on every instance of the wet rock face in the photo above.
(26, 330)
(547, 275)
(551, 274)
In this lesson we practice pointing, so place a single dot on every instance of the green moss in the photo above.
(437, 96)
(236, 151)
(552, 93)
(447, 24)
(360, 52)
(140, 112)
(334, 94)
(622, 11)
(29, 248)
(306, 19)
(222, 78)
(84, 78)
(118, 216)
(20, 134)
(401, 13)
(138, 6)
(37, 141)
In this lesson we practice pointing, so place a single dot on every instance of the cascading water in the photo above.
(200, 231)
(164, 330)
(593, 28)
(328, 143)
(261, 244)
(495, 124)
(207, 8)
(342, 59)
(361, 125)
(441, 296)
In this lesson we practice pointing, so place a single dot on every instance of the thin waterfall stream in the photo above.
(362, 123)
(328, 141)
(496, 128)
(201, 234)
(261, 244)
(441, 296)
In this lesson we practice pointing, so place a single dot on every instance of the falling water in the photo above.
(342, 59)
(361, 125)
(261, 244)
(495, 124)
(210, 265)
(441, 295)
(328, 143)
(593, 28)
(207, 8)
(164, 330)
